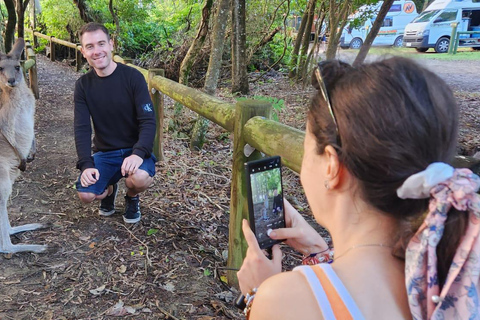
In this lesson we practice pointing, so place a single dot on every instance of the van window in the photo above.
(396, 8)
(388, 22)
(425, 16)
(447, 15)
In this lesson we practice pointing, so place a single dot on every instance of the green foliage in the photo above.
(277, 104)
(56, 15)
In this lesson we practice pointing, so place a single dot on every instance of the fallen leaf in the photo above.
(170, 287)
(91, 245)
(119, 309)
(98, 290)
(122, 269)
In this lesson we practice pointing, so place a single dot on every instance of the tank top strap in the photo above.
(332, 297)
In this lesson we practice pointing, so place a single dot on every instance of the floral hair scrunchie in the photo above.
(459, 298)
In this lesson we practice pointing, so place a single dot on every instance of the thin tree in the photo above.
(193, 51)
(213, 72)
(113, 12)
(338, 13)
(298, 41)
(306, 40)
(83, 10)
(362, 54)
(239, 44)
(20, 7)
(11, 21)
(197, 44)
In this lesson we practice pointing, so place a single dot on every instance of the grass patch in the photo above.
(462, 53)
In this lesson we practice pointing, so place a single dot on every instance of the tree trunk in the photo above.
(2, 43)
(213, 72)
(306, 39)
(362, 54)
(12, 20)
(117, 26)
(196, 45)
(218, 43)
(239, 43)
(83, 9)
(338, 13)
(298, 41)
(20, 8)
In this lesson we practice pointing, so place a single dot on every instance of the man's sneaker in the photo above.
(107, 205)
(132, 209)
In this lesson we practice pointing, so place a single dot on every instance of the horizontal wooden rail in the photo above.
(52, 40)
(274, 138)
(214, 109)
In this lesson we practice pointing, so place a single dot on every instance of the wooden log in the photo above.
(28, 64)
(237, 246)
(274, 138)
(65, 43)
(158, 102)
(32, 71)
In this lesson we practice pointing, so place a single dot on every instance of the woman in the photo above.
(377, 142)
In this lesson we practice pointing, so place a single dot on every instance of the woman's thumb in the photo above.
(276, 254)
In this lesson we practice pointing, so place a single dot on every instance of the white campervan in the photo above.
(400, 14)
(432, 28)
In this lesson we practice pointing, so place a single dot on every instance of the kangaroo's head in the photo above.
(11, 73)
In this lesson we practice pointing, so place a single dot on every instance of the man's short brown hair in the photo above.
(91, 27)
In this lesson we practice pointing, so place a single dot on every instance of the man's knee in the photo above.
(87, 197)
(140, 180)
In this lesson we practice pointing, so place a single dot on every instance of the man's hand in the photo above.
(89, 176)
(131, 164)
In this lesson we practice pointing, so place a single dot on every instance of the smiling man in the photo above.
(115, 98)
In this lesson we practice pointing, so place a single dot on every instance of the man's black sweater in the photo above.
(121, 111)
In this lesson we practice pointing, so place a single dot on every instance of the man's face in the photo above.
(97, 49)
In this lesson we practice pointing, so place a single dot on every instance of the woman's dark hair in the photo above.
(394, 119)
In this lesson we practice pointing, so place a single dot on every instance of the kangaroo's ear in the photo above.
(17, 48)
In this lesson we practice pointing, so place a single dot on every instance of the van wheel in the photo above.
(442, 45)
(421, 49)
(356, 43)
(398, 42)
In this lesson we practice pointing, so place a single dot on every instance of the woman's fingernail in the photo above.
(269, 231)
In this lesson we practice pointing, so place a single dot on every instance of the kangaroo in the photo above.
(17, 108)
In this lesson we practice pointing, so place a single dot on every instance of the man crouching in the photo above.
(115, 97)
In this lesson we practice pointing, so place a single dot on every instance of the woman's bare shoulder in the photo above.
(285, 296)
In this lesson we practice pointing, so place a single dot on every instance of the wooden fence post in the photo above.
(52, 49)
(237, 246)
(32, 72)
(78, 58)
(157, 99)
(453, 38)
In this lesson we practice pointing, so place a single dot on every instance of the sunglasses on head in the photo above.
(326, 97)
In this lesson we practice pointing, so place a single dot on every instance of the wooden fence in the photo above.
(30, 66)
(250, 122)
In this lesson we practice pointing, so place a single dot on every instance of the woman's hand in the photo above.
(298, 234)
(257, 267)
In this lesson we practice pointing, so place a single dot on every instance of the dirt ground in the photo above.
(172, 264)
